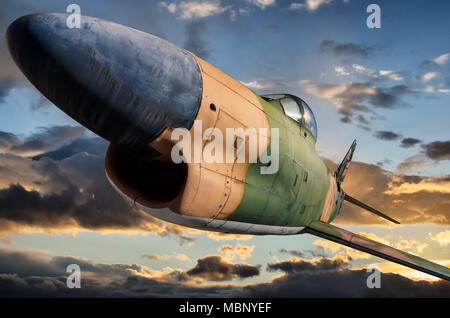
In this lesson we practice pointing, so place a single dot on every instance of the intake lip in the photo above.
(123, 84)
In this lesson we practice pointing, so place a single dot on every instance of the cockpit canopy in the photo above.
(295, 108)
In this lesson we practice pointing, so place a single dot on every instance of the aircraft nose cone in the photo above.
(123, 84)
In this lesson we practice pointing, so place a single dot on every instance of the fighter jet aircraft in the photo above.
(134, 89)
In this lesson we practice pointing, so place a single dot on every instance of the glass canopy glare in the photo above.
(296, 108)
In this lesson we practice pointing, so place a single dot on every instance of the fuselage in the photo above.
(136, 90)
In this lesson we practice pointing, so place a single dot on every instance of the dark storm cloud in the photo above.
(216, 268)
(290, 267)
(386, 135)
(66, 189)
(93, 146)
(26, 264)
(308, 253)
(38, 276)
(127, 286)
(344, 283)
(7, 140)
(359, 100)
(432, 153)
(44, 140)
(389, 97)
(409, 142)
(347, 49)
(6, 84)
(437, 150)
(194, 43)
(100, 209)
(385, 191)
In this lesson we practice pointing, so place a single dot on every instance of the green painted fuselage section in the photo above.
(295, 195)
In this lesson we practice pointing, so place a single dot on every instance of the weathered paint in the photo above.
(330, 201)
(295, 195)
(123, 84)
(214, 190)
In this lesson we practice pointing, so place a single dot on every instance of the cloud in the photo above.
(431, 155)
(216, 268)
(443, 238)
(409, 142)
(165, 258)
(410, 245)
(44, 140)
(414, 163)
(341, 70)
(390, 267)
(429, 184)
(194, 43)
(347, 49)
(262, 4)
(310, 5)
(308, 253)
(226, 250)
(434, 89)
(333, 278)
(378, 75)
(182, 257)
(155, 257)
(429, 76)
(299, 265)
(218, 236)
(440, 60)
(34, 274)
(408, 199)
(66, 190)
(386, 135)
(240, 250)
(39, 276)
(244, 251)
(389, 74)
(437, 150)
(188, 10)
(92, 146)
(264, 85)
(6, 83)
(353, 99)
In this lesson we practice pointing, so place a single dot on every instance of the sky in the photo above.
(389, 88)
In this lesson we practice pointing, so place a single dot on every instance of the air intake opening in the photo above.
(150, 182)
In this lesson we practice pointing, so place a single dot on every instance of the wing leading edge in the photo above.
(364, 244)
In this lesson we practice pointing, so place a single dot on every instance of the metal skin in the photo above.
(105, 75)
(133, 89)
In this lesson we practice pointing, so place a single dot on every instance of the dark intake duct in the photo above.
(152, 183)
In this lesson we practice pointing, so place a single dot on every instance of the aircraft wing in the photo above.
(361, 243)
